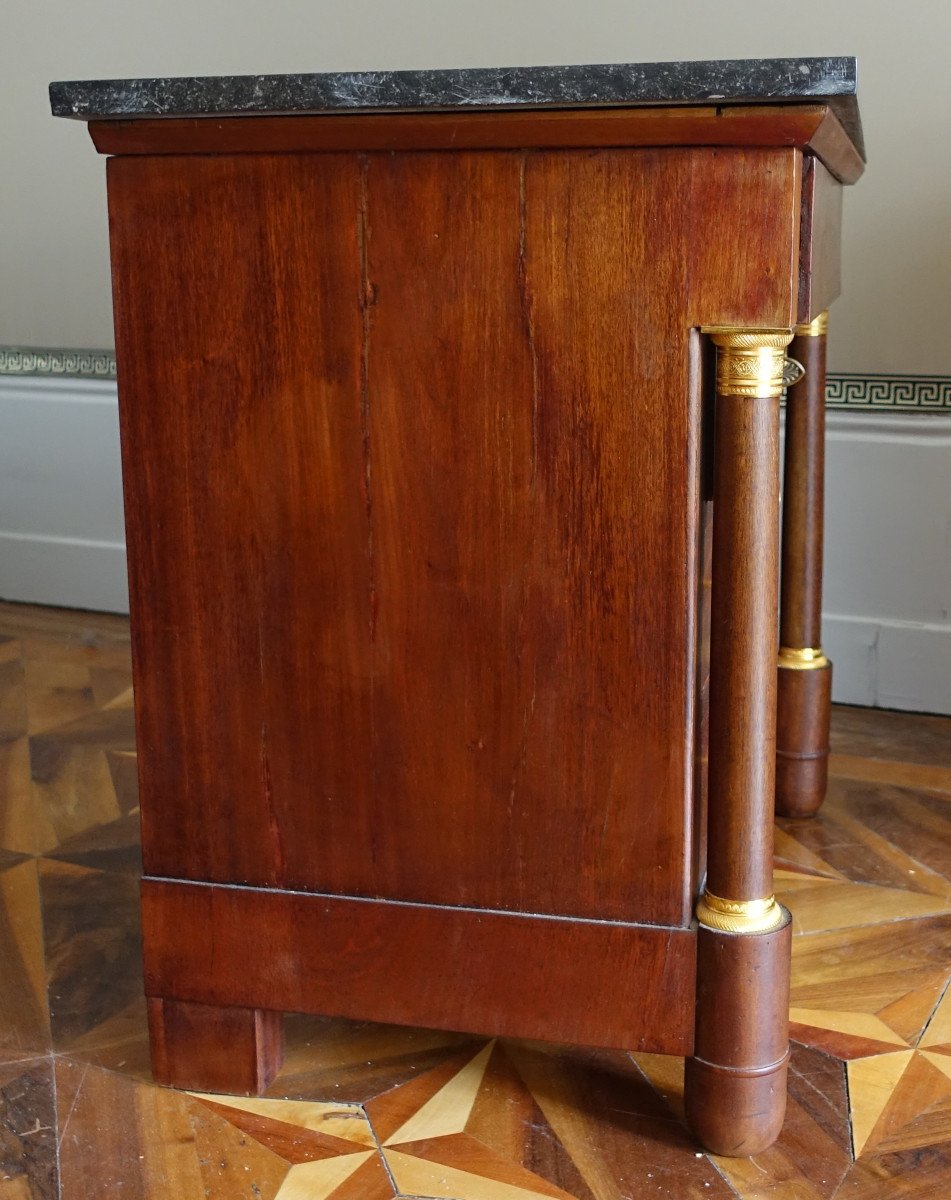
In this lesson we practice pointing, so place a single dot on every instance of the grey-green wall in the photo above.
(895, 314)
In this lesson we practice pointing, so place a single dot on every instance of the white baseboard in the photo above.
(66, 572)
(889, 664)
(62, 540)
(887, 620)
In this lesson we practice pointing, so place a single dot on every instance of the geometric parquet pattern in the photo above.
(370, 1112)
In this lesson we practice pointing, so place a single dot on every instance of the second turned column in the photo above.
(805, 674)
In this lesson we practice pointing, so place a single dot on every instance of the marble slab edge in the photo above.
(729, 81)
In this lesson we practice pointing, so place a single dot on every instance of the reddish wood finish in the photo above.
(804, 697)
(743, 648)
(525, 522)
(800, 621)
(735, 1085)
(587, 982)
(702, 748)
(820, 252)
(238, 328)
(353, 598)
(808, 127)
(803, 711)
(726, 188)
(416, 457)
(832, 145)
(214, 1049)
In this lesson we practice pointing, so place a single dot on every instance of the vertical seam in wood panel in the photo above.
(528, 314)
(528, 319)
(365, 300)
(270, 251)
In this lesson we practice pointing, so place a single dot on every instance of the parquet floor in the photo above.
(364, 1112)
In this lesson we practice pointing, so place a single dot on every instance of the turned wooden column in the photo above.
(735, 1086)
(805, 674)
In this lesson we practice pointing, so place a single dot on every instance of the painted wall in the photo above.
(896, 310)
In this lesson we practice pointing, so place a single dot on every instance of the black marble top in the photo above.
(739, 81)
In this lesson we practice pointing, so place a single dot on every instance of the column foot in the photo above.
(734, 1112)
(803, 704)
(735, 1085)
(207, 1048)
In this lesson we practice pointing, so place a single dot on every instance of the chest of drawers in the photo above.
(450, 421)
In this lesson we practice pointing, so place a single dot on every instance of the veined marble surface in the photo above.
(732, 81)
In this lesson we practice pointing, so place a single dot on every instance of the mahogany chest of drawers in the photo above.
(450, 411)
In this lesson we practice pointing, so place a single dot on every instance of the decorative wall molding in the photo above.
(74, 364)
(924, 393)
(846, 389)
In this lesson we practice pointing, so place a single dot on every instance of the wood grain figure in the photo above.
(805, 675)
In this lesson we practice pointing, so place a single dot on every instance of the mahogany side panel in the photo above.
(539, 655)
(411, 459)
(369, 578)
(459, 591)
(586, 982)
(238, 331)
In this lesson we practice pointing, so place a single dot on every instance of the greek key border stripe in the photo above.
(847, 389)
(926, 393)
(71, 364)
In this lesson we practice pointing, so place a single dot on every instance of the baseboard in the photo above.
(61, 529)
(65, 572)
(889, 664)
(887, 619)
